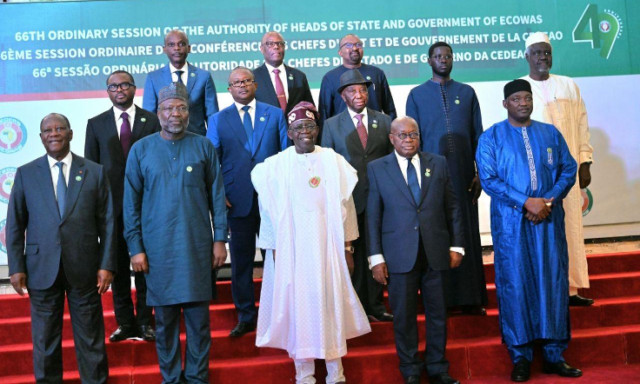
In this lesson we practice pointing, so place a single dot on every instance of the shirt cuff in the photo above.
(375, 260)
(460, 250)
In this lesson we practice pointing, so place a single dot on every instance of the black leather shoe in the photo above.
(384, 316)
(147, 333)
(579, 301)
(521, 371)
(442, 378)
(561, 368)
(242, 328)
(123, 332)
(413, 379)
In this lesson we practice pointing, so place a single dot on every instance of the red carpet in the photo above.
(606, 341)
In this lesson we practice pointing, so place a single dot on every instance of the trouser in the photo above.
(242, 245)
(85, 307)
(551, 351)
(369, 291)
(121, 287)
(305, 369)
(196, 366)
(403, 298)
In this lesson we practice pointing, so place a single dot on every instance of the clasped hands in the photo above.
(538, 209)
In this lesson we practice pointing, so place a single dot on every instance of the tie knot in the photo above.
(276, 71)
(246, 108)
(124, 115)
(359, 116)
(60, 164)
(179, 73)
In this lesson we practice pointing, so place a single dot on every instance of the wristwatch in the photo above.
(349, 249)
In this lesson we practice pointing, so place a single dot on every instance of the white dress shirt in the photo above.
(365, 118)
(118, 115)
(55, 171)
(184, 76)
(282, 75)
(252, 111)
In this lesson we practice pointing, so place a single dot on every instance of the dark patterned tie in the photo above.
(179, 73)
(125, 134)
(412, 180)
(362, 131)
(282, 97)
(61, 189)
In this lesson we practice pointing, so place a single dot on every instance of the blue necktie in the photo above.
(412, 180)
(61, 188)
(179, 74)
(248, 127)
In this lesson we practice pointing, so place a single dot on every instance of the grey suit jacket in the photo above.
(82, 239)
(339, 133)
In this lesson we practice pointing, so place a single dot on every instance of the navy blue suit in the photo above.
(414, 240)
(203, 101)
(237, 160)
(297, 85)
(63, 255)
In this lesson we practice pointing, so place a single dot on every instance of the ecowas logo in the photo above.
(13, 135)
(6, 182)
(601, 30)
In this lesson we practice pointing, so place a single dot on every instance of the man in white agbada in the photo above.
(308, 305)
(557, 101)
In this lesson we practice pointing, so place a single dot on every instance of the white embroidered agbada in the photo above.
(557, 101)
(307, 305)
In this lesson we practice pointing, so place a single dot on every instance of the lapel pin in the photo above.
(550, 156)
(189, 168)
(369, 78)
(427, 173)
(192, 74)
(80, 171)
(143, 119)
(78, 178)
(457, 100)
(261, 118)
(374, 124)
(290, 77)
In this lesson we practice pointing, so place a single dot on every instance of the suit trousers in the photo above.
(121, 287)
(242, 245)
(403, 298)
(552, 351)
(369, 291)
(196, 365)
(85, 307)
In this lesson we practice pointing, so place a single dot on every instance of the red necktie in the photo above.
(282, 98)
(362, 131)
(125, 134)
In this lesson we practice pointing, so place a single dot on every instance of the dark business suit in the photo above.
(63, 255)
(297, 85)
(102, 145)
(340, 133)
(203, 101)
(237, 159)
(415, 240)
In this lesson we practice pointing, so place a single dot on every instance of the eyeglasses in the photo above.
(180, 44)
(241, 83)
(352, 45)
(272, 44)
(123, 86)
(48, 131)
(404, 135)
(181, 109)
(304, 128)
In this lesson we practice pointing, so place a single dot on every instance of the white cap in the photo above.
(536, 37)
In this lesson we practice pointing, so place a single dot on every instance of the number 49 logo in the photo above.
(599, 29)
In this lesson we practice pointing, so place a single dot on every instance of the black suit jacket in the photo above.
(395, 222)
(339, 133)
(102, 145)
(296, 83)
(50, 239)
